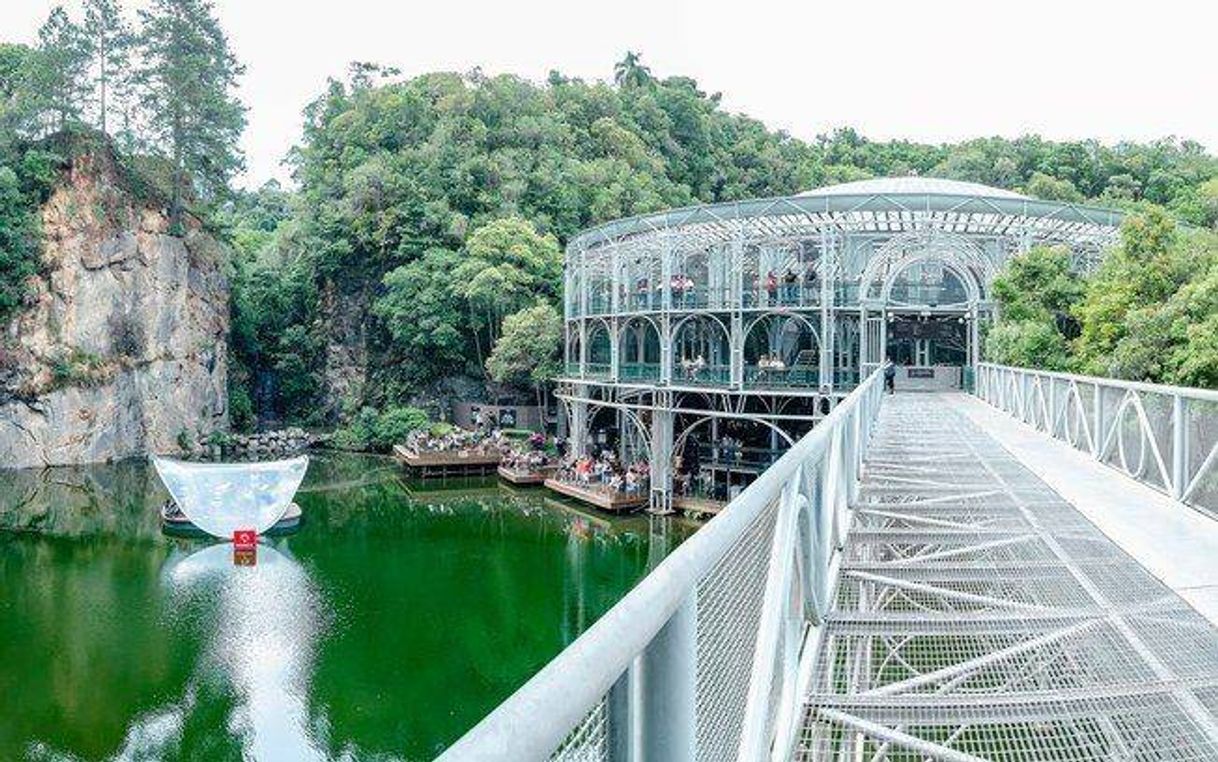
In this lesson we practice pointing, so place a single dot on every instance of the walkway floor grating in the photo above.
(978, 615)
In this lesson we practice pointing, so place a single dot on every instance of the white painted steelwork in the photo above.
(221, 498)
(979, 616)
(1164, 436)
(709, 656)
(679, 309)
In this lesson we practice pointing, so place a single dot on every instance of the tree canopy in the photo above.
(1148, 314)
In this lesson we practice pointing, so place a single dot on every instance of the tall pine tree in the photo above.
(57, 76)
(185, 88)
(108, 39)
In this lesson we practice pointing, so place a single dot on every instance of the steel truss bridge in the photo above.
(900, 586)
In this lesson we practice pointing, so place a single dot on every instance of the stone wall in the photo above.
(265, 445)
(122, 347)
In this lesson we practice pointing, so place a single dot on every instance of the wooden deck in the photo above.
(450, 463)
(526, 477)
(698, 504)
(606, 501)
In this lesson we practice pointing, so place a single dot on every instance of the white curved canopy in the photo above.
(220, 498)
(895, 186)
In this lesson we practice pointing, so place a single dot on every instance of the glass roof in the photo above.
(905, 185)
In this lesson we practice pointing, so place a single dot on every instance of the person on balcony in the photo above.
(677, 285)
(642, 289)
(811, 287)
(790, 287)
(771, 287)
(763, 367)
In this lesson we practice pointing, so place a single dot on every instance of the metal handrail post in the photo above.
(1179, 445)
(667, 724)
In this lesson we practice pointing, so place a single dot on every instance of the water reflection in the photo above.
(265, 622)
(397, 617)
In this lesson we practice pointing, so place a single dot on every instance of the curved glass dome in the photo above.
(221, 498)
(897, 186)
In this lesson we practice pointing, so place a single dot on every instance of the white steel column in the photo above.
(828, 284)
(736, 301)
(661, 451)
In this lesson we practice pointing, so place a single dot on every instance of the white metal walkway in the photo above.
(978, 615)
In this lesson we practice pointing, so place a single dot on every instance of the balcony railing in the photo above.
(802, 377)
(1164, 436)
(706, 375)
(639, 371)
(708, 657)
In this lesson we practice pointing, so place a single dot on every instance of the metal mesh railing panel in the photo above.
(979, 614)
(730, 599)
(1202, 473)
(589, 740)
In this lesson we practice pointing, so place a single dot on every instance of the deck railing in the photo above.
(709, 655)
(1164, 436)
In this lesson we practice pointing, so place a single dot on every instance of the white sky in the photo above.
(927, 70)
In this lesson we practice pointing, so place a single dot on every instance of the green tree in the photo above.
(630, 71)
(1036, 292)
(507, 265)
(1040, 185)
(18, 243)
(1027, 344)
(424, 315)
(108, 40)
(57, 81)
(186, 85)
(527, 353)
(1144, 270)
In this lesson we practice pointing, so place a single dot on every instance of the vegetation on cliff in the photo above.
(160, 97)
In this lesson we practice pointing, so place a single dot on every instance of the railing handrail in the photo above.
(535, 720)
(1192, 392)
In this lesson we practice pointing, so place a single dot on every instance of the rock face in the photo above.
(123, 345)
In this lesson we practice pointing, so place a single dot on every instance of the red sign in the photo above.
(245, 539)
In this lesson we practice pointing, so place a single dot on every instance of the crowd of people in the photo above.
(454, 440)
(774, 288)
(606, 472)
(533, 456)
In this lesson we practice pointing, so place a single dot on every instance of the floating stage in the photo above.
(441, 464)
(607, 501)
(524, 478)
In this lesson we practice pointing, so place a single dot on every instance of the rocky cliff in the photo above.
(122, 344)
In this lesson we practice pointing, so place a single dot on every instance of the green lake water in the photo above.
(396, 618)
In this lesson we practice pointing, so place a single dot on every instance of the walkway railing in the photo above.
(1164, 436)
(710, 655)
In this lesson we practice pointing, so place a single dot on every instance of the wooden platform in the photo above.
(527, 477)
(606, 501)
(698, 504)
(448, 463)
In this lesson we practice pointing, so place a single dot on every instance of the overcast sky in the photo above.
(927, 70)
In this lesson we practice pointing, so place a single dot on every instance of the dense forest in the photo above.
(421, 242)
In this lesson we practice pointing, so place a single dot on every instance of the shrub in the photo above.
(77, 368)
(379, 431)
(240, 407)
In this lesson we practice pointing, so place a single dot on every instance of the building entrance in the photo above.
(929, 350)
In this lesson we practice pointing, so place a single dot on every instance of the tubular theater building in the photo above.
(719, 334)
